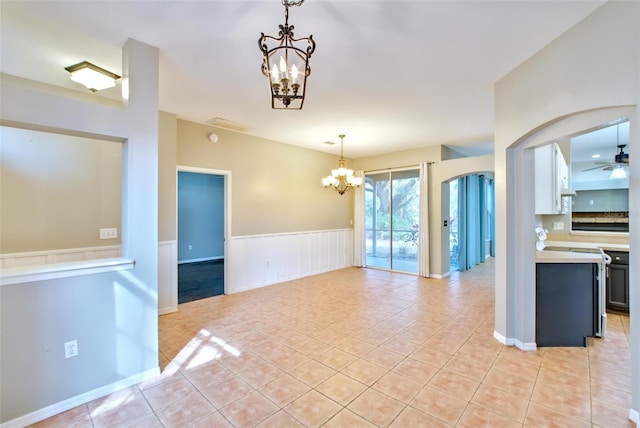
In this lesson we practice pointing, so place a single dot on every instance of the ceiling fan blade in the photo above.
(596, 167)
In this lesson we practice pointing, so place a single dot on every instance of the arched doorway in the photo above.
(471, 221)
(515, 281)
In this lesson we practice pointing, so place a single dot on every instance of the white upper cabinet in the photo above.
(551, 180)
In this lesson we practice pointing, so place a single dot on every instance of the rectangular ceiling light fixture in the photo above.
(93, 77)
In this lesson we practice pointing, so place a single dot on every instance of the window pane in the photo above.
(405, 218)
(377, 200)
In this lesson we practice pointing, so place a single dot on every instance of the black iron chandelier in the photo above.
(286, 63)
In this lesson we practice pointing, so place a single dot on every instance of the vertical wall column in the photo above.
(140, 180)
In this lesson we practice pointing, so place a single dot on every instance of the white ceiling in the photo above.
(604, 142)
(391, 75)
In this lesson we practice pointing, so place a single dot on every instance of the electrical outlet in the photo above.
(71, 348)
(558, 225)
(110, 233)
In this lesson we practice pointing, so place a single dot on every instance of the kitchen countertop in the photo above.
(567, 257)
(574, 244)
(600, 220)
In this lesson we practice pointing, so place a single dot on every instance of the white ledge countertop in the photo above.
(575, 244)
(19, 275)
(567, 257)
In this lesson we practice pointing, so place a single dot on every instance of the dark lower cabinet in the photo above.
(566, 303)
(618, 281)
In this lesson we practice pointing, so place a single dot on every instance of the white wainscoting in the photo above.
(38, 258)
(259, 260)
(167, 277)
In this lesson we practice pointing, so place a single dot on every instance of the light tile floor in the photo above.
(364, 348)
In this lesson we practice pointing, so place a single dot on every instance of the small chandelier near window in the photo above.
(341, 179)
(286, 63)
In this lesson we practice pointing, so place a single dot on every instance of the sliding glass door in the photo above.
(392, 219)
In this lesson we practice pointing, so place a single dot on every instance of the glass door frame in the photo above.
(408, 239)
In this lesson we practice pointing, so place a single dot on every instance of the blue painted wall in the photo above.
(200, 216)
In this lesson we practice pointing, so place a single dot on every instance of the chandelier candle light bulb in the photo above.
(275, 73)
(283, 69)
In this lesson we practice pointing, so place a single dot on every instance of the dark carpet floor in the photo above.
(200, 280)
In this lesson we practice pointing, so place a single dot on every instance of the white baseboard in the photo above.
(526, 346)
(168, 310)
(510, 341)
(505, 341)
(438, 276)
(76, 401)
(634, 416)
(267, 284)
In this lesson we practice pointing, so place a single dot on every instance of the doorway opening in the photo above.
(201, 235)
(471, 221)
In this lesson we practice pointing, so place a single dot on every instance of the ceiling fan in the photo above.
(620, 159)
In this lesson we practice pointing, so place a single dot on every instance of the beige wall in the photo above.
(167, 140)
(448, 154)
(57, 191)
(275, 187)
(398, 159)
